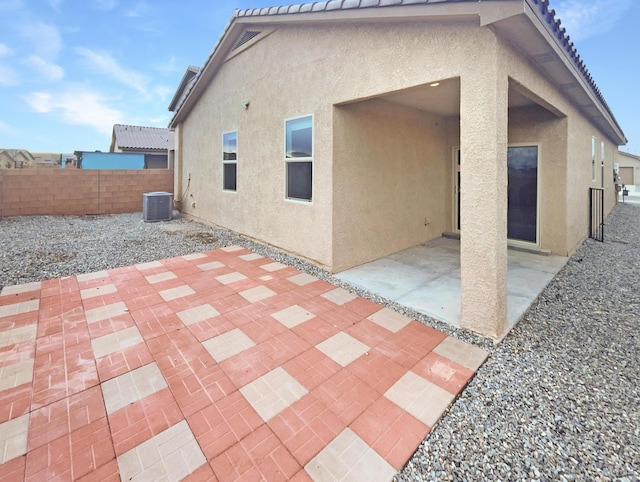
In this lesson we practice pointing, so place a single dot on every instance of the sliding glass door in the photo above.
(522, 215)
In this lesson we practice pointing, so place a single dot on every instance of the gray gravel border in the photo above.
(35, 248)
(558, 399)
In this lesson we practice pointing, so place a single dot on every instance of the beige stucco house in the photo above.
(628, 168)
(16, 159)
(23, 159)
(346, 130)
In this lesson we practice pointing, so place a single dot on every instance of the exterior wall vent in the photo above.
(157, 206)
(248, 35)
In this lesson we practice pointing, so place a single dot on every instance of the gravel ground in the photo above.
(557, 400)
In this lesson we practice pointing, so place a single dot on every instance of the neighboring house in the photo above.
(23, 159)
(109, 160)
(16, 159)
(148, 141)
(344, 131)
(181, 92)
(70, 161)
(628, 168)
(48, 159)
(188, 79)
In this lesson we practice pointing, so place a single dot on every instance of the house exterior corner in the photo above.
(344, 136)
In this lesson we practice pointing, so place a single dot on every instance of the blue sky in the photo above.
(70, 69)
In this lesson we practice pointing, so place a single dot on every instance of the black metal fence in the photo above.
(596, 218)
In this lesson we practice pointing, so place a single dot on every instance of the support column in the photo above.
(483, 200)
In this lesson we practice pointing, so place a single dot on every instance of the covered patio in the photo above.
(414, 163)
(426, 278)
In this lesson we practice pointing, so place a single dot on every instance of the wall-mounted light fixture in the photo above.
(245, 104)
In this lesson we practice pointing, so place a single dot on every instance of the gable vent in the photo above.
(248, 35)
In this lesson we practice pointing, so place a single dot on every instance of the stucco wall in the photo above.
(580, 178)
(333, 65)
(389, 180)
(579, 131)
(346, 63)
(629, 160)
(258, 208)
(534, 125)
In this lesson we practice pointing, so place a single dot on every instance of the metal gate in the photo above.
(596, 218)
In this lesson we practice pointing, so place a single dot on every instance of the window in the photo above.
(602, 164)
(522, 193)
(229, 160)
(593, 158)
(299, 157)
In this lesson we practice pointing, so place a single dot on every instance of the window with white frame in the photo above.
(299, 158)
(230, 160)
(593, 158)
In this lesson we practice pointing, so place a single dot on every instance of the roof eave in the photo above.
(274, 16)
(538, 13)
(113, 138)
(544, 20)
(628, 154)
(204, 72)
(181, 86)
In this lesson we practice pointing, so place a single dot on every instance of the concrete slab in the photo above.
(426, 278)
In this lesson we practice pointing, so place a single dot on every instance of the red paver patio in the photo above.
(222, 365)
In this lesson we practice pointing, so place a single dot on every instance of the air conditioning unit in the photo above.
(157, 206)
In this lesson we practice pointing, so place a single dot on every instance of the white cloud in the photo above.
(4, 50)
(139, 10)
(586, 19)
(49, 70)
(45, 39)
(160, 121)
(168, 67)
(40, 102)
(106, 4)
(8, 76)
(106, 64)
(77, 107)
(164, 93)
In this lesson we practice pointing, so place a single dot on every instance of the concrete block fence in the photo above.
(25, 192)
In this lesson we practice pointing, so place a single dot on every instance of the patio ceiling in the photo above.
(443, 97)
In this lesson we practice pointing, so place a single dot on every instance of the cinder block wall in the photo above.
(25, 192)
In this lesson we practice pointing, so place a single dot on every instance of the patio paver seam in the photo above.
(193, 375)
